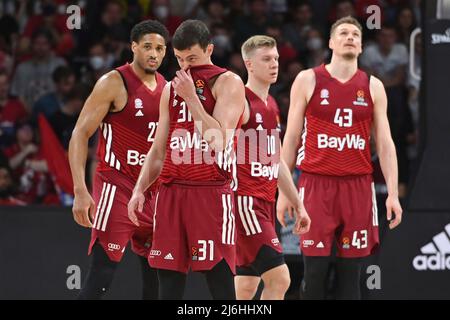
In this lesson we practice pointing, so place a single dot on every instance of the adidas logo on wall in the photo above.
(436, 254)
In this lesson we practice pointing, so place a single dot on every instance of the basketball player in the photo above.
(124, 105)
(259, 252)
(194, 217)
(336, 106)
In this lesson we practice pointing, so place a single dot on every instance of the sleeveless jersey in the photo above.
(338, 120)
(189, 158)
(259, 149)
(126, 136)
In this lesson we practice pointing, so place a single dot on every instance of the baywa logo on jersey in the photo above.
(436, 254)
(199, 88)
(360, 100)
(194, 253)
(324, 95)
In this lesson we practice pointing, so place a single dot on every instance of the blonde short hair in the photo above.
(348, 20)
(256, 42)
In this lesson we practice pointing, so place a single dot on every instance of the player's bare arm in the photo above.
(154, 160)
(301, 91)
(287, 187)
(229, 93)
(386, 151)
(108, 91)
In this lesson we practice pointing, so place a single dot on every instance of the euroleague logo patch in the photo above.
(194, 253)
(199, 88)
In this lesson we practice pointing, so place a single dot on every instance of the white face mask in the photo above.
(314, 44)
(97, 62)
(161, 12)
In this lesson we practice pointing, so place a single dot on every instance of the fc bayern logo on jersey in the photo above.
(138, 103)
(324, 94)
(259, 118)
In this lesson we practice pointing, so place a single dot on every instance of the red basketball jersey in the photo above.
(338, 120)
(188, 155)
(126, 136)
(259, 146)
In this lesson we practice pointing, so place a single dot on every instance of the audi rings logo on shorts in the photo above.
(155, 252)
(307, 243)
(113, 246)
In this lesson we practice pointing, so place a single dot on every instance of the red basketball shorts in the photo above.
(255, 225)
(112, 227)
(343, 211)
(194, 227)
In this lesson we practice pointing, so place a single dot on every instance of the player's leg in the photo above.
(314, 281)
(348, 274)
(220, 281)
(171, 284)
(100, 275)
(359, 236)
(276, 283)
(246, 282)
(107, 244)
(149, 280)
(319, 196)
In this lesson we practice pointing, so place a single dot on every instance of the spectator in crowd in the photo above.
(6, 60)
(54, 23)
(64, 80)
(318, 52)
(286, 51)
(29, 168)
(7, 190)
(12, 112)
(63, 120)
(406, 23)
(221, 39)
(162, 12)
(296, 31)
(22, 150)
(255, 22)
(99, 63)
(33, 78)
(216, 13)
(236, 65)
(387, 60)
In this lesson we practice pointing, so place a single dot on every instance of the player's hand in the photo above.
(136, 203)
(83, 209)
(284, 205)
(302, 220)
(183, 84)
(393, 206)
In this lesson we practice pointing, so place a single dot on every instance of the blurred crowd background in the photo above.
(47, 70)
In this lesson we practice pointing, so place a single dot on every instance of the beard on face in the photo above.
(349, 56)
(149, 71)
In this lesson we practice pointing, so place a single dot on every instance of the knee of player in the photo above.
(247, 286)
(279, 283)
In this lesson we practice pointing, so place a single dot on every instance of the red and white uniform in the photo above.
(258, 158)
(124, 140)
(335, 161)
(194, 218)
